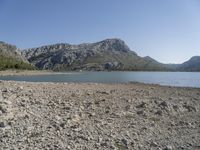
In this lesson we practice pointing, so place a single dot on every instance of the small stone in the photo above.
(21, 87)
(125, 142)
(66, 108)
(163, 104)
(2, 125)
(142, 105)
(154, 144)
(3, 110)
(189, 108)
(141, 112)
(73, 95)
(159, 112)
(76, 118)
(4, 90)
(127, 107)
(104, 144)
(104, 92)
(62, 125)
(1, 97)
(168, 147)
(175, 107)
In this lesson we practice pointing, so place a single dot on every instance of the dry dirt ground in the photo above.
(98, 116)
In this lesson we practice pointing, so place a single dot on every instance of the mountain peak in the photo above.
(113, 40)
(113, 44)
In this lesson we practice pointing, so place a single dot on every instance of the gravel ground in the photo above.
(98, 116)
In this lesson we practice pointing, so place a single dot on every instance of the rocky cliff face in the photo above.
(110, 54)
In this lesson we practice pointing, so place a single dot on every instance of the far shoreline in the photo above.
(28, 72)
(48, 72)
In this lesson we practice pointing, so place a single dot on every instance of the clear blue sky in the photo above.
(166, 30)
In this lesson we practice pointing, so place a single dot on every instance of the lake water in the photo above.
(182, 79)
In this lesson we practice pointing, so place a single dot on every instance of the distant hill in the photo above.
(12, 58)
(191, 65)
(110, 54)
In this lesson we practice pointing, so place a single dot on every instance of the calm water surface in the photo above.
(183, 79)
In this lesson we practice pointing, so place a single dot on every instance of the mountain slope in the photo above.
(191, 65)
(110, 54)
(11, 57)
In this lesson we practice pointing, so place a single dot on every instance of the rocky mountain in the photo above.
(109, 54)
(11, 57)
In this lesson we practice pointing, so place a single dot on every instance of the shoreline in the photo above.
(103, 83)
(98, 116)
(22, 73)
(46, 72)
(29, 72)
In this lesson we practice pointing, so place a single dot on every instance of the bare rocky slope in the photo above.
(66, 116)
(110, 54)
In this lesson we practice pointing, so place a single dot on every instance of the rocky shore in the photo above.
(98, 116)
(28, 72)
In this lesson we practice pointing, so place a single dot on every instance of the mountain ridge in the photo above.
(193, 64)
(108, 54)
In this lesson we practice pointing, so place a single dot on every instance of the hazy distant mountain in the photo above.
(110, 54)
(11, 57)
(191, 65)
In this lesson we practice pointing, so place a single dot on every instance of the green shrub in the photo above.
(11, 63)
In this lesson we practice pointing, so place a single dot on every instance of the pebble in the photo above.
(2, 125)
(1, 96)
(2, 109)
(140, 112)
(4, 90)
(168, 147)
(142, 105)
(21, 87)
(163, 104)
(189, 108)
(124, 141)
(159, 112)
(154, 144)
